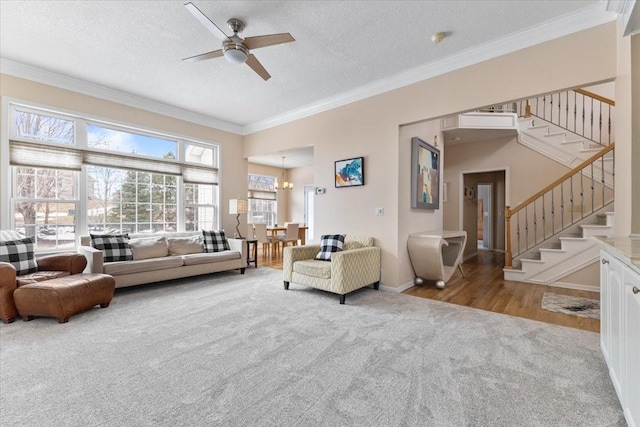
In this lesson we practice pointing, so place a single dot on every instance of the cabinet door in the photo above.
(616, 324)
(605, 309)
(632, 346)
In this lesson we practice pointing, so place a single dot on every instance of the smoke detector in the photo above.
(437, 37)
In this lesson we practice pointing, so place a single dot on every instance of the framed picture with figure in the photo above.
(425, 175)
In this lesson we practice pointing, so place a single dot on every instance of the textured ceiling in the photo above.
(136, 47)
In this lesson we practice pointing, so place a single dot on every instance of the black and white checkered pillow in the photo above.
(215, 241)
(20, 254)
(114, 247)
(330, 243)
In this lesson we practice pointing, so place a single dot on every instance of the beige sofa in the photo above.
(356, 266)
(167, 256)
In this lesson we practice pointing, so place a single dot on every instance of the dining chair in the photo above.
(290, 236)
(251, 234)
(260, 233)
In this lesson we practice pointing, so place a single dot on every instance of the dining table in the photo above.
(275, 230)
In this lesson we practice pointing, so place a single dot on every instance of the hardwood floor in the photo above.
(484, 288)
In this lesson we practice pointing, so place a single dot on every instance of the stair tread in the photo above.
(557, 250)
(573, 141)
(552, 134)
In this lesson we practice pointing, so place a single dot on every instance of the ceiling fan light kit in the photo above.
(236, 54)
(235, 48)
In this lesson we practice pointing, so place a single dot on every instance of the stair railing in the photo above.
(579, 111)
(567, 200)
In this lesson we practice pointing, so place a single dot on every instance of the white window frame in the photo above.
(7, 130)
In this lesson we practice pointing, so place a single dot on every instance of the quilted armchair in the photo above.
(356, 266)
(49, 267)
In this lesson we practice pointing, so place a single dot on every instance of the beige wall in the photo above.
(527, 172)
(233, 167)
(371, 128)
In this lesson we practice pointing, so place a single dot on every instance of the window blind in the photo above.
(44, 156)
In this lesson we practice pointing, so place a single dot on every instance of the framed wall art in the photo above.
(425, 175)
(349, 172)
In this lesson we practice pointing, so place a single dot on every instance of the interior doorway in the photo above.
(485, 218)
(309, 194)
(483, 196)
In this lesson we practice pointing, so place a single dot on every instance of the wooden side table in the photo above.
(252, 252)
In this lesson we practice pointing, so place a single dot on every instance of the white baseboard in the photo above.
(398, 289)
(576, 286)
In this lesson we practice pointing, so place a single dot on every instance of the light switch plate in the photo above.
(379, 211)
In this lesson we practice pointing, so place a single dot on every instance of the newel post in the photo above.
(507, 232)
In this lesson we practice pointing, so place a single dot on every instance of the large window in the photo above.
(45, 205)
(262, 200)
(72, 176)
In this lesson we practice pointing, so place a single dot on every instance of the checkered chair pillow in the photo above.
(215, 241)
(20, 254)
(115, 247)
(330, 243)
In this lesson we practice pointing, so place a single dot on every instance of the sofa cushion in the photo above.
(207, 258)
(185, 245)
(115, 247)
(357, 242)
(150, 247)
(19, 253)
(215, 241)
(143, 265)
(313, 267)
(330, 243)
(39, 276)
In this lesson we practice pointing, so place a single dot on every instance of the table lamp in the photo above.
(237, 207)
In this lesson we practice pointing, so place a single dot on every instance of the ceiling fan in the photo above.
(235, 48)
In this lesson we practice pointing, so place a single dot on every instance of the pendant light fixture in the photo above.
(285, 184)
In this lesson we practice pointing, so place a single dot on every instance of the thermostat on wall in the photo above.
(320, 190)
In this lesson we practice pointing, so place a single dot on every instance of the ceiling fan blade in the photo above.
(256, 66)
(208, 23)
(269, 40)
(209, 55)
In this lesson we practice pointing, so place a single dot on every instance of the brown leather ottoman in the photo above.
(64, 296)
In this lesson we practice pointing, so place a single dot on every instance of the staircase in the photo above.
(553, 228)
(564, 254)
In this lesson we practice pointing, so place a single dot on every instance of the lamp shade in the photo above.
(238, 206)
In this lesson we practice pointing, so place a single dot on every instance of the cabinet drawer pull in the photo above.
(605, 261)
(635, 290)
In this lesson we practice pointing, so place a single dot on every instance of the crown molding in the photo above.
(585, 19)
(17, 69)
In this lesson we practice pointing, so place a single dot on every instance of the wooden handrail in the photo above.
(564, 177)
(509, 212)
(596, 96)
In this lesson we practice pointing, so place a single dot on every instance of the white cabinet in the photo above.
(620, 329)
(632, 346)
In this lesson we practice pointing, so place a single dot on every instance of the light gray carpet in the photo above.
(239, 350)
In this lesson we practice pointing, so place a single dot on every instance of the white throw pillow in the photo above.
(149, 247)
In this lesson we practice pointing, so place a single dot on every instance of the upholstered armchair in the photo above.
(49, 267)
(356, 266)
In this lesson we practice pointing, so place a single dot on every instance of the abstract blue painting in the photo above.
(349, 172)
